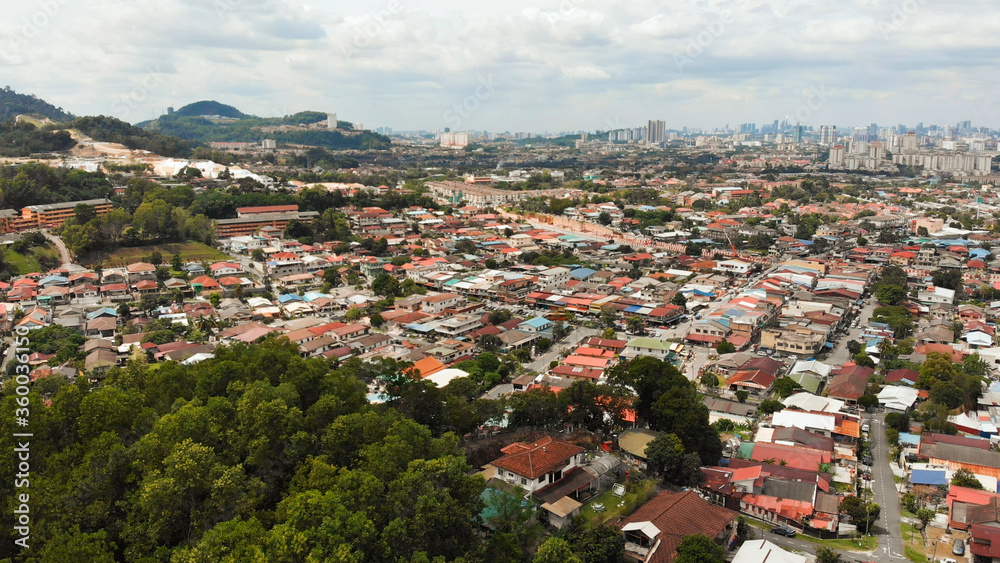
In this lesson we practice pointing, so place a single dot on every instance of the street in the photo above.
(579, 335)
(884, 487)
(840, 354)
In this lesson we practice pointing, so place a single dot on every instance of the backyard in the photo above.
(635, 495)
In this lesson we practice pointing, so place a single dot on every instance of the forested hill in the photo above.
(285, 130)
(210, 107)
(13, 104)
(113, 130)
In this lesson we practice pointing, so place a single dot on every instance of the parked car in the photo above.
(958, 547)
(783, 531)
(867, 460)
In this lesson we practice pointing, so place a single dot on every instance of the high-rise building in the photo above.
(827, 134)
(797, 136)
(331, 121)
(656, 131)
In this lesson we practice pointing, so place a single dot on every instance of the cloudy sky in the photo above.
(545, 65)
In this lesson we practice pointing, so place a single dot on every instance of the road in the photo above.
(579, 334)
(840, 354)
(890, 547)
(64, 255)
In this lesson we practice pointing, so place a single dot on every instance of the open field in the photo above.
(27, 263)
(189, 251)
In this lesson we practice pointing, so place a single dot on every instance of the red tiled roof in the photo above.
(678, 515)
(537, 459)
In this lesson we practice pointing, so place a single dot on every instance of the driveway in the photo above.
(64, 255)
(579, 334)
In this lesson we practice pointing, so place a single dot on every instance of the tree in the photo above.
(214, 298)
(604, 218)
(386, 286)
(555, 550)
(725, 347)
(890, 294)
(602, 544)
(699, 548)
(258, 255)
(490, 342)
(742, 395)
(175, 262)
(636, 325)
(868, 401)
(862, 514)
(84, 213)
(769, 406)
(679, 299)
(500, 316)
(853, 347)
(785, 386)
(964, 478)
(664, 455)
(826, 555)
(925, 515)
(376, 320)
(609, 333)
(710, 380)
(608, 316)
(947, 394)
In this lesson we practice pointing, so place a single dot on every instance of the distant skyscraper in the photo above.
(827, 134)
(331, 121)
(656, 131)
(797, 137)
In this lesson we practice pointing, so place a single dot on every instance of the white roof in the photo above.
(803, 420)
(759, 551)
(810, 402)
(647, 529)
(814, 366)
(446, 376)
(899, 397)
(199, 357)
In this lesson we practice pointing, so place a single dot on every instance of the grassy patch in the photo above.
(20, 264)
(843, 487)
(897, 479)
(189, 251)
(615, 507)
(915, 555)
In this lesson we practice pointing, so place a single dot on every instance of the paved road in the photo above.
(890, 547)
(579, 334)
(840, 354)
(63, 251)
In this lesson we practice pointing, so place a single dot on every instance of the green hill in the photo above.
(250, 129)
(13, 104)
(210, 108)
(113, 130)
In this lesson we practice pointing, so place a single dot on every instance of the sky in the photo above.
(545, 65)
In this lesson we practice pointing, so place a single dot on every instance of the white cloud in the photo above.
(403, 64)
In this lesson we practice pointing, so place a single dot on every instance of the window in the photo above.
(524, 481)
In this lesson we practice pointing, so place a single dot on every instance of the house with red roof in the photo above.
(653, 532)
(537, 465)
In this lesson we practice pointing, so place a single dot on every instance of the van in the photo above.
(865, 427)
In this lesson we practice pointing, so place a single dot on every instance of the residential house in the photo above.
(536, 465)
(653, 532)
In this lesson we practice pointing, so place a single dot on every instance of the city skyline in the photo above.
(569, 65)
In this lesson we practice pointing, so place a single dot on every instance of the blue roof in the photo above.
(632, 308)
(929, 477)
(102, 311)
(288, 297)
(313, 295)
(911, 439)
(419, 327)
(979, 252)
(537, 322)
(53, 278)
(582, 273)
